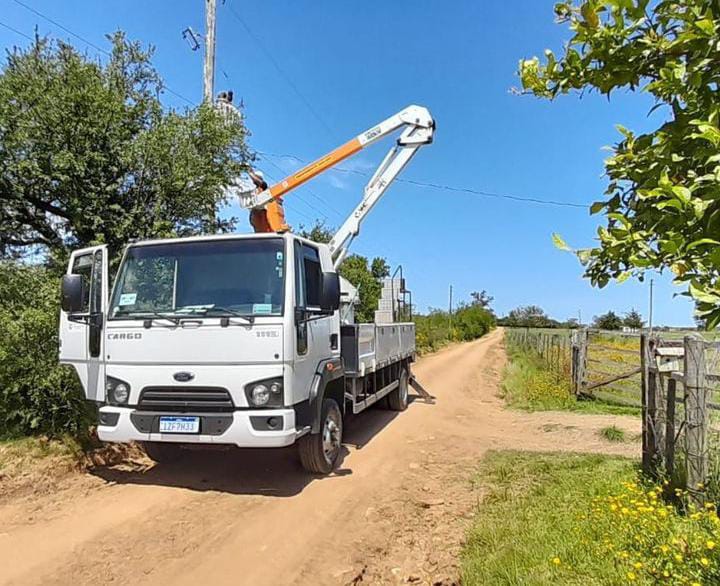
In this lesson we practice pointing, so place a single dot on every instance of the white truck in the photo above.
(244, 340)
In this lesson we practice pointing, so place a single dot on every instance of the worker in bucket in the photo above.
(272, 213)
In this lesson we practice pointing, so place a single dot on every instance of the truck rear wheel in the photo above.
(163, 453)
(319, 452)
(398, 399)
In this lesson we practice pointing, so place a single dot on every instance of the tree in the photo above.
(482, 298)
(529, 316)
(633, 320)
(608, 321)
(365, 275)
(662, 202)
(89, 155)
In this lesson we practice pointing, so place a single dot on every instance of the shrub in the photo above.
(37, 395)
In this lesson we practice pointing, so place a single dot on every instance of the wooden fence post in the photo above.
(652, 428)
(696, 418)
(582, 361)
(647, 448)
(670, 427)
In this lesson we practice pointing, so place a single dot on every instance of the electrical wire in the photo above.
(519, 198)
(87, 42)
(281, 71)
(17, 32)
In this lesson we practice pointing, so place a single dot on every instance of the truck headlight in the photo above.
(265, 393)
(116, 391)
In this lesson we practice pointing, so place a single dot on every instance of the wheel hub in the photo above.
(331, 438)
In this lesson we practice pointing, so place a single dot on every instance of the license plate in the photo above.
(179, 424)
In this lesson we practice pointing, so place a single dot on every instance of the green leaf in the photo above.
(559, 242)
(702, 242)
(597, 207)
(700, 294)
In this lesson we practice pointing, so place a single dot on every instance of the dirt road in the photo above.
(394, 512)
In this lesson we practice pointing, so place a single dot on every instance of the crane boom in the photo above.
(418, 128)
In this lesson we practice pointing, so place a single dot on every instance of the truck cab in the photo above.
(214, 339)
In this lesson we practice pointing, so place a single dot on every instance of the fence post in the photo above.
(670, 427)
(696, 418)
(652, 443)
(582, 361)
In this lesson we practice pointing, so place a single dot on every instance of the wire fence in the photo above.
(675, 382)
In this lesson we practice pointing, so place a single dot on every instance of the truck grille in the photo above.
(196, 399)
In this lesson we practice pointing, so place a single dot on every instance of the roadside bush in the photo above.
(469, 321)
(37, 395)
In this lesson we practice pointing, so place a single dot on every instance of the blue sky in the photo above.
(329, 70)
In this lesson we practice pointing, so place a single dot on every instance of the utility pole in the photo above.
(209, 68)
(580, 317)
(650, 317)
(450, 315)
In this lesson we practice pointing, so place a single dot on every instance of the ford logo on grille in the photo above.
(183, 377)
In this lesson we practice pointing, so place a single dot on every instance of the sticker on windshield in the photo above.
(262, 308)
(127, 299)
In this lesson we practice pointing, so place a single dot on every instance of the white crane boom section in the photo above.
(419, 127)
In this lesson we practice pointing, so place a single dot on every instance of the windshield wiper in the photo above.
(248, 318)
(148, 316)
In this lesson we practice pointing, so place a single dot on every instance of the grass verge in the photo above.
(583, 519)
(529, 385)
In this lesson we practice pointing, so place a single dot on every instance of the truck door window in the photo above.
(301, 331)
(96, 305)
(83, 266)
(313, 276)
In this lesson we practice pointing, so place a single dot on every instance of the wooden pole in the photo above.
(209, 65)
(582, 360)
(670, 427)
(696, 418)
(652, 428)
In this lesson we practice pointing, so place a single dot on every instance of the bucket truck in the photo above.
(226, 340)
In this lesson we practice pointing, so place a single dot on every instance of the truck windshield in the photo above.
(213, 278)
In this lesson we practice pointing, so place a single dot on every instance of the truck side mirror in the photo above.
(71, 293)
(330, 293)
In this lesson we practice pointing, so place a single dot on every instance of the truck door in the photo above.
(81, 334)
(314, 340)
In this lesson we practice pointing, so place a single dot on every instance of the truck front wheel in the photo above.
(162, 453)
(319, 452)
(398, 398)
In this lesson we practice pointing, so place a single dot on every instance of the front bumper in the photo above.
(240, 432)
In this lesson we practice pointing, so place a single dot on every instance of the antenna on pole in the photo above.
(192, 38)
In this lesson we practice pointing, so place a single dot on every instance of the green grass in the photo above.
(530, 517)
(613, 433)
(529, 385)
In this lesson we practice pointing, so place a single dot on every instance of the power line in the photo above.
(87, 42)
(535, 200)
(17, 32)
(280, 70)
(57, 24)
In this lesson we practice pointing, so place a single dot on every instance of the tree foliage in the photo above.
(608, 321)
(89, 155)
(528, 316)
(37, 395)
(662, 202)
(633, 320)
